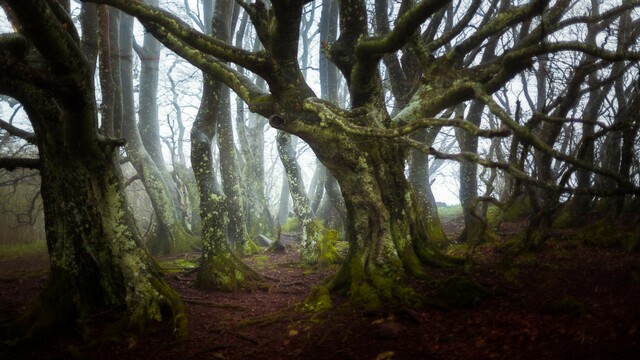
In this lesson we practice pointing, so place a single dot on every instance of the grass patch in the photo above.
(452, 211)
(178, 265)
(13, 251)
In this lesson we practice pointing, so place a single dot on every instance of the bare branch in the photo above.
(11, 163)
(15, 131)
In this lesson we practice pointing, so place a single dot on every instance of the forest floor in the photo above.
(565, 301)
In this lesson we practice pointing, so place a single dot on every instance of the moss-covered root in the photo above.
(319, 249)
(373, 287)
(226, 272)
(249, 247)
(172, 301)
(432, 256)
(318, 300)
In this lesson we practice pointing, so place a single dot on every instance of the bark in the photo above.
(419, 180)
(219, 268)
(95, 261)
(310, 238)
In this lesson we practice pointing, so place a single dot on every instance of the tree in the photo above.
(223, 223)
(364, 147)
(96, 262)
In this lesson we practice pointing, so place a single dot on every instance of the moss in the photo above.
(603, 233)
(292, 225)
(518, 209)
(461, 292)
(328, 253)
(249, 247)
(318, 300)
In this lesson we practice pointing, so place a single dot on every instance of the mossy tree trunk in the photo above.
(311, 238)
(96, 263)
(386, 233)
(220, 267)
(419, 179)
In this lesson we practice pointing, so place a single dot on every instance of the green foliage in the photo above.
(461, 292)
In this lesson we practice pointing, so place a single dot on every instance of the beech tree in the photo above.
(96, 262)
(364, 146)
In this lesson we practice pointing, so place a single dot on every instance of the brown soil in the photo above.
(564, 302)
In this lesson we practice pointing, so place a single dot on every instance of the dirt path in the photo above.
(564, 302)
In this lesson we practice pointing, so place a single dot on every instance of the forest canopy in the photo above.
(535, 103)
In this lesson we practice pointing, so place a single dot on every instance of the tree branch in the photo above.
(11, 163)
(406, 26)
(47, 32)
(528, 137)
(258, 100)
(15, 131)
(155, 20)
(330, 116)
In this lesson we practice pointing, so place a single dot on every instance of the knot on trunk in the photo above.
(277, 121)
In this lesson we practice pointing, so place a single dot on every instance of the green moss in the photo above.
(261, 260)
(519, 209)
(328, 253)
(292, 225)
(177, 265)
(604, 233)
(461, 292)
(250, 248)
(493, 215)
(321, 241)
(318, 300)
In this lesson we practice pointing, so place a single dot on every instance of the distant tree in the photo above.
(172, 235)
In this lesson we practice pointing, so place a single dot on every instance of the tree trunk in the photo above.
(385, 231)
(219, 267)
(311, 238)
(95, 262)
(172, 235)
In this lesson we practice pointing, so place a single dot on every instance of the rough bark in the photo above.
(95, 261)
(219, 267)
(310, 237)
